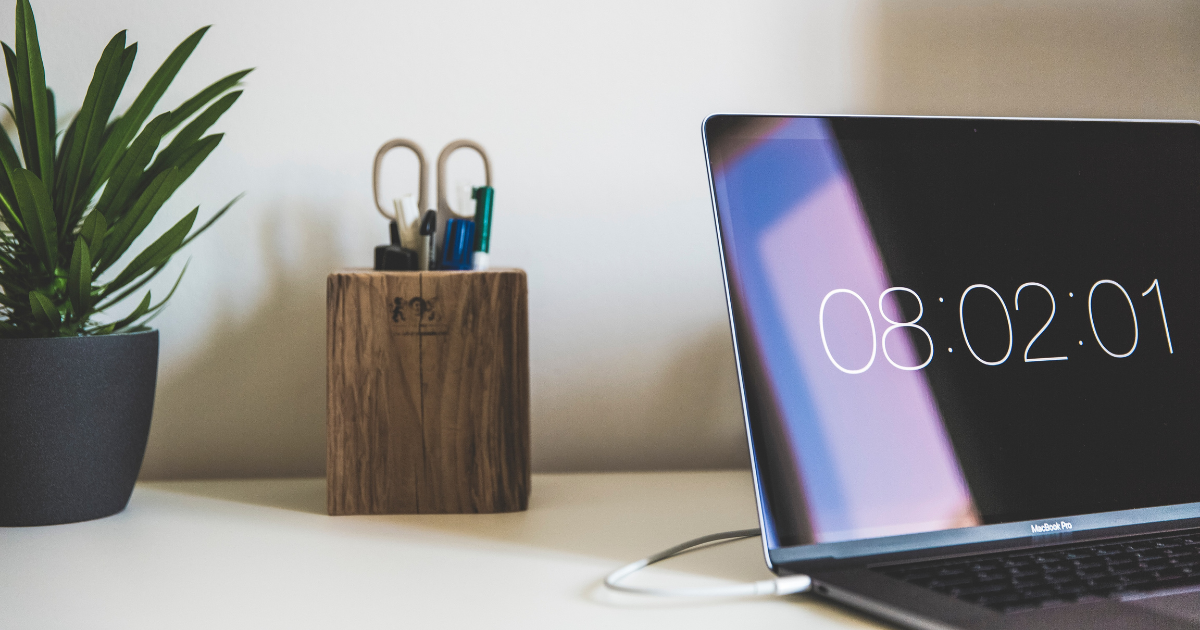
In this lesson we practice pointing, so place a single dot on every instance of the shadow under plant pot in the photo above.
(74, 419)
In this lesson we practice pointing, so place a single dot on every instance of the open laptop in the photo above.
(969, 353)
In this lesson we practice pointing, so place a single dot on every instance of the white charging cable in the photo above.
(785, 585)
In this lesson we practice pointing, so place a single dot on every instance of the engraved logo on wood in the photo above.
(415, 316)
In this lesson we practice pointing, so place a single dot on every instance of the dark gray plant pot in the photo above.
(74, 418)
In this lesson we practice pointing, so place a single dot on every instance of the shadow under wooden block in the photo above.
(428, 392)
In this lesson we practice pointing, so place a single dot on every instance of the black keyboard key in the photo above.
(909, 576)
(1187, 580)
(993, 576)
(949, 581)
(980, 589)
(1036, 580)
(1134, 579)
(1074, 588)
(1105, 582)
(1091, 574)
(1061, 578)
(1170, 574)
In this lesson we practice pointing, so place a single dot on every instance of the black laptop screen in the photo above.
(952, 322)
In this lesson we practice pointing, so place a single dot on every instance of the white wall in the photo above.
(1085, 58)
(591, 115)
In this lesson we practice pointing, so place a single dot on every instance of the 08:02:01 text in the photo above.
(893, 325)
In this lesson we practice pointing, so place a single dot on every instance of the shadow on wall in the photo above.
(701, 408)
(251, 401)
(1054, 59)
(685, 415)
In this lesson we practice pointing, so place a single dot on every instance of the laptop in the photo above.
(969, 357)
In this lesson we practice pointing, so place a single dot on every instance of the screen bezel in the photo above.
(1081, 524)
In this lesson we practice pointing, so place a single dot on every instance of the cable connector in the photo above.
(786, 585)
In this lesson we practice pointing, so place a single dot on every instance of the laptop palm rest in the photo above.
(1181, 603)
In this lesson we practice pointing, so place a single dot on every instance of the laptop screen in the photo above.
(944, 323)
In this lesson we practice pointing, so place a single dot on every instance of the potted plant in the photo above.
(76, 383)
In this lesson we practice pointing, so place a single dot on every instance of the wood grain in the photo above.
(428, 392)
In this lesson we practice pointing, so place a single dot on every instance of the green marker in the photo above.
(483, 226)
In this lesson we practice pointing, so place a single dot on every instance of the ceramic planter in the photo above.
(74, 418)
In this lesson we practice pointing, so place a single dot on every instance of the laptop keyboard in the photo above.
(1061, 574)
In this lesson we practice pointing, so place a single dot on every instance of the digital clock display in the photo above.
(951, 322)
(915, 325)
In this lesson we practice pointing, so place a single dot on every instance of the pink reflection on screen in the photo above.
(887, 444)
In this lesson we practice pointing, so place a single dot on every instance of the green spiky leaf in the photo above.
(157, 253)
(88, 127)
(131, 289)
(79, 279)
(43, 309)
(123, 232)
(125, 127)
(93, 230)
(31, 74)
(37, 215)
(197, 102)
(99, 164)
(191, 158)
(126, 179)
(207, 224)
(192, 132)
(20, 100)
(142, 308)
(154, 310)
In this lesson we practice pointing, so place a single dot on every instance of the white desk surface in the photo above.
(263, 554)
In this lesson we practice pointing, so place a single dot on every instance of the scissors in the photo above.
(410, 221)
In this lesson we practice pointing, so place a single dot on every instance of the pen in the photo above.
(428, 227)
(483, 196)
(458, 250)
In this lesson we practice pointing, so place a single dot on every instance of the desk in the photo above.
(263, 554)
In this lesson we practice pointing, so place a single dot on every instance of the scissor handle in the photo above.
(416, 149)
(443, 207)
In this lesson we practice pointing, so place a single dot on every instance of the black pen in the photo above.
(428, 227)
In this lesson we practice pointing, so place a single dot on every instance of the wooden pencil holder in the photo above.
(428, 392)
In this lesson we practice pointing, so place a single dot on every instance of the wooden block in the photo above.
(428, 392)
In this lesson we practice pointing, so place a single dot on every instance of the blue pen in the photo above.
(459, 247)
